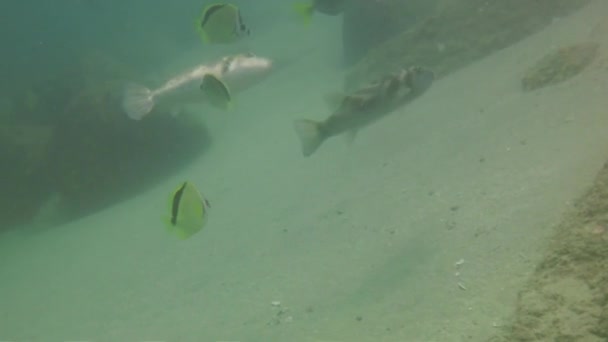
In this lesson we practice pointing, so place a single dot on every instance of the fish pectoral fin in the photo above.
(216, 92)
(333, 100)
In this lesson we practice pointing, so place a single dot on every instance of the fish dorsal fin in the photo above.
(333, 100)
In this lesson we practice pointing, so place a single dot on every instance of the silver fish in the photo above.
(364, 106)
(238, 72)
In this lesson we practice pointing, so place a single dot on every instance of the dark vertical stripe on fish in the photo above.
(226, 63)
(209, 12)
(176, 200)
(241, 25)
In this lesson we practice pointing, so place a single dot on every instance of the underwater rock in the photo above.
(458, 33)
(7, 109)
(366, 24)
(566, 298)
(51, 212)
(68, 139)
(114, 156)
(29, 143)
(24, 153)
(559, 66)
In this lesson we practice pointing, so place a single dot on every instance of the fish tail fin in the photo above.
(305, 10)
(310, 134)
(138, 101)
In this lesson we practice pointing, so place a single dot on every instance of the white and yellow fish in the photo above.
(221, 23)
(187, 211)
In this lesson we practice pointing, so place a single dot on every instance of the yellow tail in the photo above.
(305, 10)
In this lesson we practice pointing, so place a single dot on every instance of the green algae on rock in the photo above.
(559, 66)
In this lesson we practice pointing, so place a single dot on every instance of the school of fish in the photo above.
(216, 83)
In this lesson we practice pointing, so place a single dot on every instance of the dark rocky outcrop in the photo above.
(458, 33)
(67, 138)
(566, 299)
(368, 23)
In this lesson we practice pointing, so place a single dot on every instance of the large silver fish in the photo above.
(364, 106)
(238, 72)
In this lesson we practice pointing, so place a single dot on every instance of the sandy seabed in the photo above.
(424, 229)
